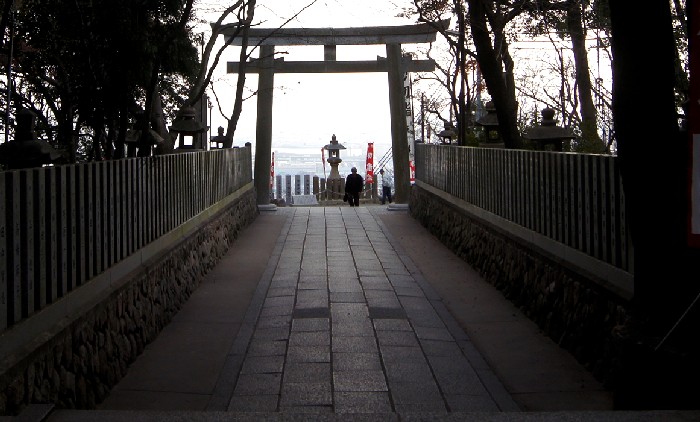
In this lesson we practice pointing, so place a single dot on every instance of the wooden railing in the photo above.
(574, 199)
(61, 226)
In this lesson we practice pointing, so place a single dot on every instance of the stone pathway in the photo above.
(343, 322)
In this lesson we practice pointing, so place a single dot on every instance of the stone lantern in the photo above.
(548, 136)
(447, 134)
(334, 157)
(26, 150)
(140, 139)
(186, 124)
(489, 122)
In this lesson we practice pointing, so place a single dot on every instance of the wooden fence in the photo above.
(574, 199)
(61, 226)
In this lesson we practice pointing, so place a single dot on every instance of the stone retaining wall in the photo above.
(574, 311)
(77, 367)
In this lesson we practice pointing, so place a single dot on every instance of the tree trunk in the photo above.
(492, 72)
(653, 164)
(238, 100)
(160, 127)
(589, 126)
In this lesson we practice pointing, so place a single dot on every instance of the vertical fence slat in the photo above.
(529, 194)
(179, 188)
(150, 207)
(53, 242)
(136, 223)
(72, 205)
(516, 178)
(580, 193)
(140, 208)
(167, 192)
(40, 261)
(606, 163)
(62, 285)
(587, 205)
(192, 203)
(538, 194)
(627, 260)
(161, 209)
(99, 217)
(186, 192)
(102, 213)
(145, 208)
(196, 185)
(119, 206)
(29, 242)
(596, 202)
(551, 215)
(498, 186)
(131, 222)
(155, 201)
(614, 212)
(507, 186)
(566, 159)
(89, 207)
(172, 197)
(110, 211)
(16, 277)
(558, 208)
(4, 267)
(151, 200)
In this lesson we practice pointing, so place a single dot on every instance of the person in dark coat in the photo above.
(353, 186)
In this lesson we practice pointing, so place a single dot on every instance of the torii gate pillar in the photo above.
(263, 130)
(399, 129)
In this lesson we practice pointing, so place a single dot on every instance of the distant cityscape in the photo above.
(288, 163)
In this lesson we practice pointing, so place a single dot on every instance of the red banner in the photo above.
(272, 171)
(369, 167)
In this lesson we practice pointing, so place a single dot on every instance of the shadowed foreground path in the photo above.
(351, 313)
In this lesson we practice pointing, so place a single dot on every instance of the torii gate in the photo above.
(396, 66)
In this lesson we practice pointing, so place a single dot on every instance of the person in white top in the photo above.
(387, 184)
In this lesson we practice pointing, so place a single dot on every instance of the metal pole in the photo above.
(422, 117)
(10, 50)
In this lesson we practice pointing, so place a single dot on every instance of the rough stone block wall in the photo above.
(78, 367)
(575, 312)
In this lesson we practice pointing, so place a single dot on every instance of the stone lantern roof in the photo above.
(490, 119)
(334, 145)
(548, 133)
(448, 134)
(26, 150)
(186, 122)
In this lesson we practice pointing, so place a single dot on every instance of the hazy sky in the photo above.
(309, 108)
